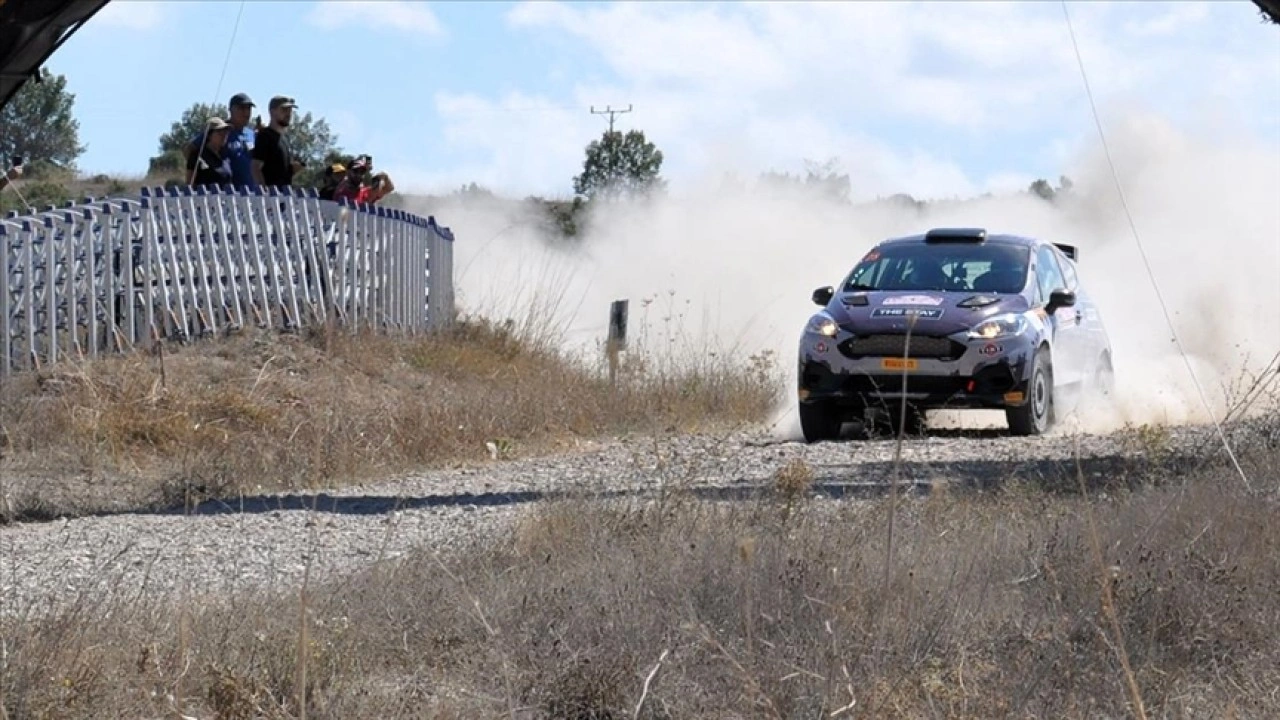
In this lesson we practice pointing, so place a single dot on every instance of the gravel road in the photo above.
(265, 541)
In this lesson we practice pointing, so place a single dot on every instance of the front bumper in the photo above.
(948, 372)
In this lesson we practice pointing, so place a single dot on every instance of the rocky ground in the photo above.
(268, 541)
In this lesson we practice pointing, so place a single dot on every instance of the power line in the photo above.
(226, 60)
(1115, 176)
(608, 110)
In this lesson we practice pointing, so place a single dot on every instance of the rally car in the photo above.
(953, 318)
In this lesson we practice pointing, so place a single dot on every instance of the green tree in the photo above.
(1042, 188)
(310, 139)
(619, 165)
(39, 124)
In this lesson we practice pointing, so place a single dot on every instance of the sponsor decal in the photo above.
(820, 347)
(883, 312)
(991, 349)
(927, 300)
(872, 256)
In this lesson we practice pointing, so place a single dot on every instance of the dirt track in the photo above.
(267, 540)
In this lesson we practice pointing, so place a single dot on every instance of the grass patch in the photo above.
(776, 608)
(262, 412)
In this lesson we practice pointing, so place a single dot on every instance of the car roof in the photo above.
(993, 239)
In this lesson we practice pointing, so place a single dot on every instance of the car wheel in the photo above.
(1035, 416)
(819, 421)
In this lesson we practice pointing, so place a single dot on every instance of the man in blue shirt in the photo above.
(240, 140)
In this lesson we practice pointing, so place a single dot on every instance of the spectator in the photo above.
(380, 186)
(333, 176)
(273, 162)
(353, 188)
(211, 167)
(238, 148)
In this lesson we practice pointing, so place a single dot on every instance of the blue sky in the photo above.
(933, 99)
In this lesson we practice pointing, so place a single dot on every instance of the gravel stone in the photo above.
(266, 542)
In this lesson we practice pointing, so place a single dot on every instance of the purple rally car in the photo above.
(953, 318)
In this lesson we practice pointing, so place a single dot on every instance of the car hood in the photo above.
(937, 313)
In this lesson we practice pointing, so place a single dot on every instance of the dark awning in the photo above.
(1271, 8)
(30, 31)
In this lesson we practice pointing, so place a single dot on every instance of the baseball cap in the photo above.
(241, 99)
(281, 101)
(337, 169)
(215, 123)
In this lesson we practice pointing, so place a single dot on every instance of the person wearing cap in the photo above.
(238, 149)
(333, 176)
(273, 160)
(354, 188)
(211, 166)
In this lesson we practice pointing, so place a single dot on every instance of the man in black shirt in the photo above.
(273, 163)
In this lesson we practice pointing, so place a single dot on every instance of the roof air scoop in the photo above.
(956, 235)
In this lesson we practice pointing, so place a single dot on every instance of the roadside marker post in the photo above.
(617, 340)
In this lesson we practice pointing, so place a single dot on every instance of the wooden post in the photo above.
(617, 336)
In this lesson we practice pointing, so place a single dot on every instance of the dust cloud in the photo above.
(726, 271)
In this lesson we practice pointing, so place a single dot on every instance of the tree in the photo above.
(39, 124)
(822, 178)
(1042, 188)
(310, 139)
(618, 165)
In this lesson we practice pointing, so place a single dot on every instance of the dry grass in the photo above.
(262, 412)
(773, 609)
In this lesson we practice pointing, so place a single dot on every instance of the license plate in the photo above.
(899, 363)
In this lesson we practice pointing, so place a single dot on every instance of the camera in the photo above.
(16, 161)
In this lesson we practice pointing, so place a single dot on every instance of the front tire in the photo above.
(1035, 416)
(819, 421)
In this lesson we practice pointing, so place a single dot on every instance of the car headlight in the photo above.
(822, 325)
(998, 327)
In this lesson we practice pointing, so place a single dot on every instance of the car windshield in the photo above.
(942, 267)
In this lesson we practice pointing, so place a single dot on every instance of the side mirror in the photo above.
(822, 296)
(1060, 299)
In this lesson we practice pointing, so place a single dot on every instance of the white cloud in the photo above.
(133, 15)
(410, 17)
(935, 99)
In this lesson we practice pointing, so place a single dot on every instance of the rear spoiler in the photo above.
(1070, 251)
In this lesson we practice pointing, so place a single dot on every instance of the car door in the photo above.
(1068, 350)
(1091, 334)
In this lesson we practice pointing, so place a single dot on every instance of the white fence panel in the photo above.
(181, 263)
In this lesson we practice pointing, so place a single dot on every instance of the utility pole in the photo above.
(608, 110)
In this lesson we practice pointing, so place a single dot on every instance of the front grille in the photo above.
(922, 346)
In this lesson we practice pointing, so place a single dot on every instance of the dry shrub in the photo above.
(991, 609)
(263, 411)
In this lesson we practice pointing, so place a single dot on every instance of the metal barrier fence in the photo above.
(119, 273)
